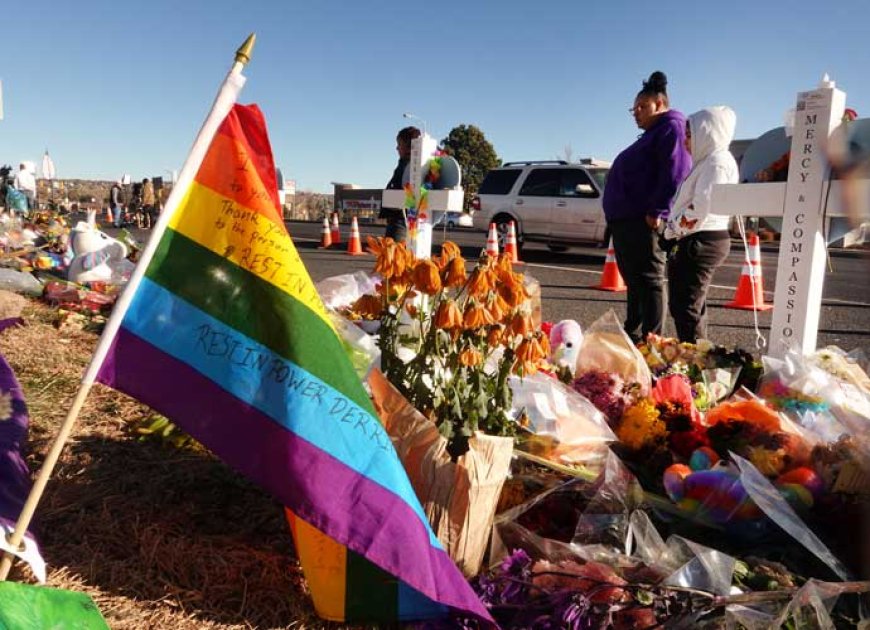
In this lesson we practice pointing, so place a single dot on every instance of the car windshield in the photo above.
(599, 175)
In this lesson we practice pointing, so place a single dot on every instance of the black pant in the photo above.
(691, 264)
(641, 262)
(396, 228)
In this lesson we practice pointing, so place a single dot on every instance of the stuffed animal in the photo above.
(94, 254)
(711, 488)
(565, 340)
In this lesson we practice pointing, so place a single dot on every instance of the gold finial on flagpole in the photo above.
(243, 54)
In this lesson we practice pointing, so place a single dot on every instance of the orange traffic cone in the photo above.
(611, 279)
(325, 237)
(511, 247)
(492, 241)
(336, 231)
(750, 288)
(354, 245)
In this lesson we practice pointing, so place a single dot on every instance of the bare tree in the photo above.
(567, 153)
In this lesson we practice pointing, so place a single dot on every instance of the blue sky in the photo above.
(112, 88)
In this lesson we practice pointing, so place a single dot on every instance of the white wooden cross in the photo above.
(800, 201)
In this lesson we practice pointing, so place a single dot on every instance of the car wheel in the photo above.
(557, 249)
(502, 226)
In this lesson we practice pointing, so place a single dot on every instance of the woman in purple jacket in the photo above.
(637, 199)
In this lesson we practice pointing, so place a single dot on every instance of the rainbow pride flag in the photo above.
(227, 336)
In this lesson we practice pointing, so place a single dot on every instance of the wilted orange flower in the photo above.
(448, 316)
(525, 361)
(504, 265)
(454, 273)
(531, 351)
(480, 283)
(495, 336)
(450, 250)
(544, 343)
(392, 258)
(368, 306)
(395, 289)
(512, 291)
(503, 307)
(470, 357)
(497, 307)
(522, 325)
(426, 277)
(475, 316)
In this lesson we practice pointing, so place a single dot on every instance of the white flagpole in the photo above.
(224, 101)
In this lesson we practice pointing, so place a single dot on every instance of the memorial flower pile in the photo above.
(714, 371)
(450, 339)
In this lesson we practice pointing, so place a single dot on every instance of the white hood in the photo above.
(712, 128)
(712, 131)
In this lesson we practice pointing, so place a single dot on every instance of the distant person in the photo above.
(149, 201)
(397, 229)
(637, 198)
(116, 204)
(701, 237)
(26, 183)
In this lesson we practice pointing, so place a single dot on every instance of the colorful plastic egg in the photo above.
(703, 458)
(673, 480)
(805, 477)
(796, 495)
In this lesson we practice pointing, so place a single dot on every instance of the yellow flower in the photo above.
(448, 316)
(476, 316)
(769, 463)
(470, 357)
(426, 277)
(641, 426)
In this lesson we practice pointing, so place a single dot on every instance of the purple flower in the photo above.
(603, 390)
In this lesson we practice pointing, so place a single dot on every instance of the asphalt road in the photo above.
(566, 279)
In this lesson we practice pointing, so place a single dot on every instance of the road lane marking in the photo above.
(827, 301)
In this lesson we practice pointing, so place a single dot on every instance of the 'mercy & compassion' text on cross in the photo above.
(803, 202)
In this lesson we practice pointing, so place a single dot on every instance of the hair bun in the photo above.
(657, 83)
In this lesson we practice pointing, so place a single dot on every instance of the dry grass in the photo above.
(160, 537)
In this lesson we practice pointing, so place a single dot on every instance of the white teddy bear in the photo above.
(94, 254)
(565, 340)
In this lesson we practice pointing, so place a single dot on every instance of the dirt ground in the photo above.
(159, 536)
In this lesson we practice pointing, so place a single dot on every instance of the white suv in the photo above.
(551, 202)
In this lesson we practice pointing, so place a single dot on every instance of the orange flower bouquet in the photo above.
(449, 342)
(450, 339)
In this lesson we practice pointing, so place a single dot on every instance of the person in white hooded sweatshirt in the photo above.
(698, 239)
